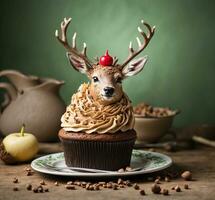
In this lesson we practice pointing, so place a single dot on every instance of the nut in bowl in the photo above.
(152, 123)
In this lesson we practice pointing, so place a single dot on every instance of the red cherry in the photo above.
(106, 60)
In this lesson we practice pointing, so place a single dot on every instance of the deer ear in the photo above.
(134, 67)
(78, 63)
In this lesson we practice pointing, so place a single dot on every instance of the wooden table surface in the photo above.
(200, 161)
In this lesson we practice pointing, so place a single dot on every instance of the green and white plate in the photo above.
(148, 161)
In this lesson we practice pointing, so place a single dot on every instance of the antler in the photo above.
(72, 49)
(143, 45)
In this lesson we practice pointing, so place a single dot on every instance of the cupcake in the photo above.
(97, 127)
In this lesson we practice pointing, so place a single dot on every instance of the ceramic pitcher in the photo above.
(31, 101)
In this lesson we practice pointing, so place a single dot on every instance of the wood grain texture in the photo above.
(200, 161)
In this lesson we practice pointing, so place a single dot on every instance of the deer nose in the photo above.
(109, 91)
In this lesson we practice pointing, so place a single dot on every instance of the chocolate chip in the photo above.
(35, 190)
(40, 189)
(15, 180)
(157, 181)
(167, 179)
(136, 187)
(186, 186)
(46, 190)
(42, 182)
(156, 189)
(28, 186)
(70, 187)
(96, 187)
(29, 173)
(165, 192)
(15, 189)
(177, 188)
(115, 187)
(109, 185)
(142, 192)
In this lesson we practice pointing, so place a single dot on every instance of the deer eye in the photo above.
(95, 79)
(119, 80)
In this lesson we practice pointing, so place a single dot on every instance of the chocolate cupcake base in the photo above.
(98, 151)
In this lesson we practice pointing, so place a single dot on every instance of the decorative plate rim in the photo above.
(167, 159)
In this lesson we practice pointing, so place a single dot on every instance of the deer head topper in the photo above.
(106, 75)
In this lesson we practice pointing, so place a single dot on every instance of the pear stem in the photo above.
(22, 130)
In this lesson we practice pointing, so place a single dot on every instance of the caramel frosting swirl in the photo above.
(86, 115)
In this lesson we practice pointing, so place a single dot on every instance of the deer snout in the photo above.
(109, 91)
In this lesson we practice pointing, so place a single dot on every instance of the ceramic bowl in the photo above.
(150, 130)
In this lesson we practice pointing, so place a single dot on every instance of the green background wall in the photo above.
(181, 68)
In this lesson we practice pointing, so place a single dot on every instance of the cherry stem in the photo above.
(22, 130)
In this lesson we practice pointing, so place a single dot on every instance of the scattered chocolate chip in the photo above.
(167, 179)
(136, 187)
(156, 189)
(115, 187)
(29, 173)
(177, 188)
(157, 181)
(91, 187)
(70, 187)
(109, 185)
(187, 175)
(128, 183)
(186, 186)
(35, 190)
(172, 188)
(15, 180)
(15, 189)
(121, 186)
(142, 192)
(28, 186)
(101, 183)
(42, 182)
(40, 189)
(46, 190)
(96, 187)
(165, 192)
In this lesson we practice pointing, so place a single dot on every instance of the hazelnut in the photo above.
(187, 175)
